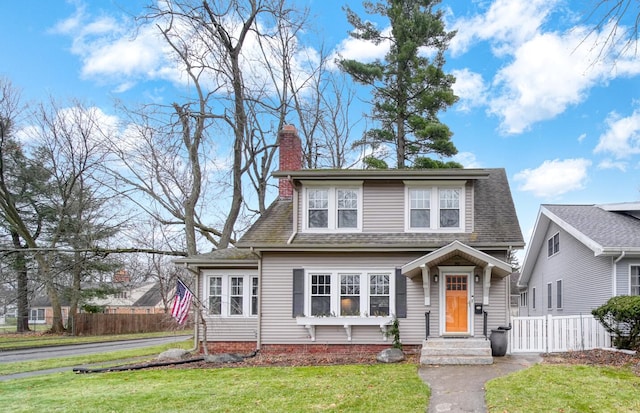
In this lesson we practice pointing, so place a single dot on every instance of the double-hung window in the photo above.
(335, 207)
(553, 245)
(420, 208)
(321, 294)
(449, 208)
(634, 283)
(434, 207)
(318, 200)
(379, 290)
(349, 293)
(559, 294)
(232, 295)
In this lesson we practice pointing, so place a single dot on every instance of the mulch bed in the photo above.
(601, 358)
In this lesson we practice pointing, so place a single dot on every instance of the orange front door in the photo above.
(456, 299)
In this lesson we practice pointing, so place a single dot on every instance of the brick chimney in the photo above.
(290, 158)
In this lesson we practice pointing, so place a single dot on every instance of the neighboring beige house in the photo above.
(341, 253)
(142, 298)
(133, 299)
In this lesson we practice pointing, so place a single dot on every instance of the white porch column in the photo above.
(426, 284)
(486, 284)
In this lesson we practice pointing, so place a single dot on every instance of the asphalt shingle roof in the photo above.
(495, 221)
(608, 229)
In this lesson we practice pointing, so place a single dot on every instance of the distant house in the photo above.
(579, 257)
(143, 298)
(131, 298)
(341, 253)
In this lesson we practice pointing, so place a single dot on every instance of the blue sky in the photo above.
(536, 98)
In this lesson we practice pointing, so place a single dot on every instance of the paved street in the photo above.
(84, 349)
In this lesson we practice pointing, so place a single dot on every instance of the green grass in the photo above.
(551, 388)
(72, 361)
(354, 388)
(18, 341)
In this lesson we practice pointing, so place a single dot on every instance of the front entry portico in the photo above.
(456, 281)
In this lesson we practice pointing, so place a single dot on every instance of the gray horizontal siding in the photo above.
(383, 205)
(278, 325)
(622, 284)
(586, 279)
(231, 329)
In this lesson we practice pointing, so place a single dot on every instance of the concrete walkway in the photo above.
(460, 389)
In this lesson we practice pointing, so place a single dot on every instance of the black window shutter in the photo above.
(401, 294)
(298, 292)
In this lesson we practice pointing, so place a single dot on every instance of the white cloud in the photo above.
(544, 72)
(470, 88)
(582, 137)
(467, 159)
(609, 164)
(506, 25)
(622, 139)
(362, 50)
(554, 178)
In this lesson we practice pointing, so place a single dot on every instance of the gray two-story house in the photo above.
(579, 257)
(341, 253)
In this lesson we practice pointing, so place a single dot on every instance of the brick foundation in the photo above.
(243, 347)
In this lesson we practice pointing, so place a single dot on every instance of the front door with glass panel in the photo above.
(456, 303)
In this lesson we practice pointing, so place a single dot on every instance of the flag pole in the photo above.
(199, 307)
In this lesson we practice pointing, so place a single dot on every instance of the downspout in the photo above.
(615, 273)
(259, 330)
(294, 199)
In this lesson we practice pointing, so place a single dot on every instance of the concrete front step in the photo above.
(456, 351)
(457, 360)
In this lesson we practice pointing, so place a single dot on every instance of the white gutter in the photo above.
(615, 273)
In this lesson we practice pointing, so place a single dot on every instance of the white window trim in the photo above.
(226, 289)
(533, 298)
(434, 187)
(549, 296)
(560, 293)
(555, 252)
(335, 291)
(524, 299)
(331, 187)
(630, 266)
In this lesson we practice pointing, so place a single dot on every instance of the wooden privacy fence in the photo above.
(553, 334)
(103, 324)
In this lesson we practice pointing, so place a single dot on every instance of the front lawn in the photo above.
(351, 388)
(562, 388)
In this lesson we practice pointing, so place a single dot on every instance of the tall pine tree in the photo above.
(410, 86)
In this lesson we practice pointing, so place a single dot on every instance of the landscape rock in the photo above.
(223, 358)
(173, 354)
(390, 355)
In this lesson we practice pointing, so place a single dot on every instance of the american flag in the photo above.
(181, 303)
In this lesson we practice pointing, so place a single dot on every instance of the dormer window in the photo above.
(318, 200)
(434, 207)
(336, 208)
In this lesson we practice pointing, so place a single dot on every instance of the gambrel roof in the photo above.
(495, 223)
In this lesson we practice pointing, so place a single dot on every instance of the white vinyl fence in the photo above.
(552, 334)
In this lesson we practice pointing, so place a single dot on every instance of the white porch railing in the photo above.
(552, 334)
